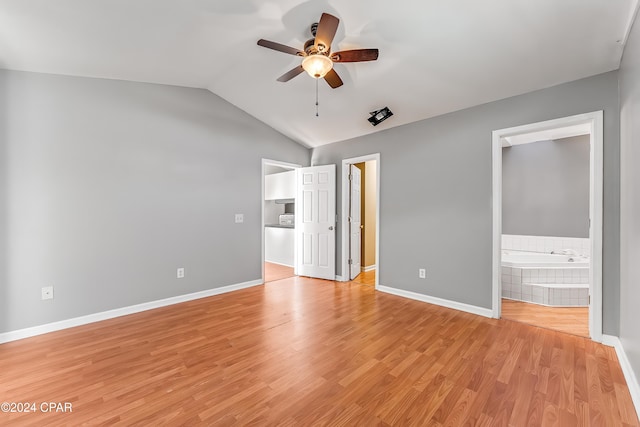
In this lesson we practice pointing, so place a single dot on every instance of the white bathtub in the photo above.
(547, 279)
(521, 259)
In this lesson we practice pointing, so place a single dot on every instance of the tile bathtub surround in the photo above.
(555, 275)
(545, 244)
(547, 286)
(545, 275)
(568, 297)
(554, 297)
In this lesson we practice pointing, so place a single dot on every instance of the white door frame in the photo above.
(595, 122)
(284, 165)
(344, 224)
(355, 212)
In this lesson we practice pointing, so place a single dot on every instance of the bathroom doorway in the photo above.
(547, 257)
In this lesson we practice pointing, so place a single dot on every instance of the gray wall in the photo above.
(436, 191)
(630, 199)
(545, 188)
(4, 207)
(106, 187)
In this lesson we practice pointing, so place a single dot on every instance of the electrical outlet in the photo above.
(180, 273)
(47, 292)
(422, 273)
(239, 218)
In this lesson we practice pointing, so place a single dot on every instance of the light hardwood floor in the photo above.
(273, 272)
(572, 320)
(305, 352)
(366, 278)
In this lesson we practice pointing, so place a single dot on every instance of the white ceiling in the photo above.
(436, 56)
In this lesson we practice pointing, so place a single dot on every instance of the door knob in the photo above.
(331, 227)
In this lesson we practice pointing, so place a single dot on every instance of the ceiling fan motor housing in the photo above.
(310, 48)
(321, 48)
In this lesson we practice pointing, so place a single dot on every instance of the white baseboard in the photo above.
(110, 314)
(480, 311)
(340, 279)
(627, 369)
(368, 268)
(279, 263)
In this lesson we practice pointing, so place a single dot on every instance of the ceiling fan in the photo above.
(318, 59)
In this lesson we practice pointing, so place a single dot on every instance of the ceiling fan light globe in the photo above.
(317, 66)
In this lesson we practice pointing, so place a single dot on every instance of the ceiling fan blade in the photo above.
(290, 74)
(325, 32)
(333, 79)
(280, 47)
(356, 55)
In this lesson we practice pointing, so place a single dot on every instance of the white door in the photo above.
(355, 222)
(316, 222)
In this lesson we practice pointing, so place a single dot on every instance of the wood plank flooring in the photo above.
(366, 278)
(273, 272)
(311, 352)
(572, 320)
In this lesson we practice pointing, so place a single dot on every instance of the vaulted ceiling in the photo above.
(436, 56)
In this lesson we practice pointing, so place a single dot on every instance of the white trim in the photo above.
(629, 376)
(282, 165)
(368, 268)
(124, 311)
(496, 276)
(595, 121)
(546, 135)
(279, 263)
(480, 311)
(340, 279)
(345, 211)
(596, 206)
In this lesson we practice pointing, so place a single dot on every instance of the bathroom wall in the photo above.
(545, 188)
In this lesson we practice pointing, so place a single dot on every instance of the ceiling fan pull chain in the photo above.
(317, 97)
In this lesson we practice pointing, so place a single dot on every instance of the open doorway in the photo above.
(547, 258)
(278, 220)
(360, 226)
